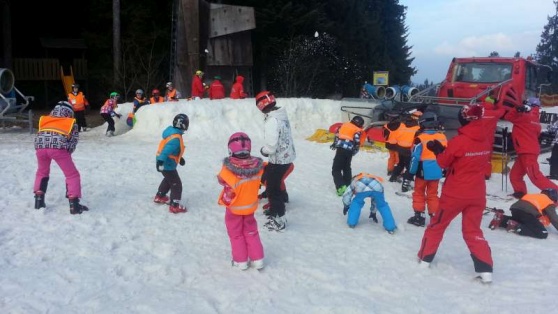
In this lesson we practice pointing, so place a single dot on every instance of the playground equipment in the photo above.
(67, 80)
(10, 109)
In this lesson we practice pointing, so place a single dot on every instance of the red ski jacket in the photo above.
(465, 160)
(526, 130)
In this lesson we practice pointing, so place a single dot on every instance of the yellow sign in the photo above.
(381, 78)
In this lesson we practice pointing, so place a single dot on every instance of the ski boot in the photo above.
(418, 220)
(176, 208)
(161, 198)
(497, 220)
(406, 185)
(276, 223)
(40, 200)
(341, 190)
(76, 207)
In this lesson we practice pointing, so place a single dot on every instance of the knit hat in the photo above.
(63, 109)
(470, 112)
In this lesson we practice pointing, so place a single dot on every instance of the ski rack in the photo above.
(424, 97)
(14, 112)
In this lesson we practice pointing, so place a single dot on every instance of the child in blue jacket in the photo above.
(169, 156)
(362, 186)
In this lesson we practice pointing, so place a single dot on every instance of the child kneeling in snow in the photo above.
(362, 186)
(240, 177)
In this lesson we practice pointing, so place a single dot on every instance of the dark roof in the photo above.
(63, 43)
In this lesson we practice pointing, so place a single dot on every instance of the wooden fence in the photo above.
(46, 69)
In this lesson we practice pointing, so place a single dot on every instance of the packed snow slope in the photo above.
(129, 255)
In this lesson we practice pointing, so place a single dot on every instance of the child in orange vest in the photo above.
(56, 140)
(347, 142)
(240, 177)
(169, 156)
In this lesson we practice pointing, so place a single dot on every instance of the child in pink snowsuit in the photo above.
(56, 140)
(240, 177)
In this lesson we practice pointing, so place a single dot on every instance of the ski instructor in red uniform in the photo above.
(525, 136)
(463, 192)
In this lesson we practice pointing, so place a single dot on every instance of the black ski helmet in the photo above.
(429, 120)
(358, 121)
(181, 122)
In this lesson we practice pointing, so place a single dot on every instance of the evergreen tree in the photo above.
(547, 49)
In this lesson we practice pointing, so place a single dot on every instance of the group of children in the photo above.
(406, 141)
(241, 174)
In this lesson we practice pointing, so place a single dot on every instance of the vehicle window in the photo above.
(483, 72)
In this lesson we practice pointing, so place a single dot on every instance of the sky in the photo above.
(129, 255)
(442, 29)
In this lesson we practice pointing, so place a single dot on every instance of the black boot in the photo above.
(76, 207)
(418, 220)
(40, 200)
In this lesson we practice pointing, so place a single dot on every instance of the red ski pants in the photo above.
(426, 194)
(393, 160)
(471, 211)
(527, 164)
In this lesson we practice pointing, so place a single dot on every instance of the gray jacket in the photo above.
(279, 144)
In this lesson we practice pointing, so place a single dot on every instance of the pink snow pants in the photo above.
(244, 237)
(64, 160)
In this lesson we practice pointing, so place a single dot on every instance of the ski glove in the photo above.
(160, 167)
(182, 161)
(345, 210)
(435, 146)
(262, 152)
(332, 146)
(524, 108)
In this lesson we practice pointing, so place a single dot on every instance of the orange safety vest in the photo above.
(348, 130)
(540, 202)
(245, 190)
(153, 101)
(405, 135)
(164, 142)
(368, 175)
(61, 125)
(424, 138)
(391, 134)
(170, 95)
(78, 101)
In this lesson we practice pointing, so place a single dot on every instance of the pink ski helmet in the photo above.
(240, 145)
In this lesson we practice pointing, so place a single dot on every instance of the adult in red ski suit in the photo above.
(198, 89)
(463, 192)
(525, 136)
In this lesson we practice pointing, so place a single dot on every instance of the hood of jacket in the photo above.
(240, 79)
(63, 110)
(474, 130)
(279, 113)
(171, 130)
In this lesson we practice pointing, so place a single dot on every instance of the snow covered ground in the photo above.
(129, 255)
